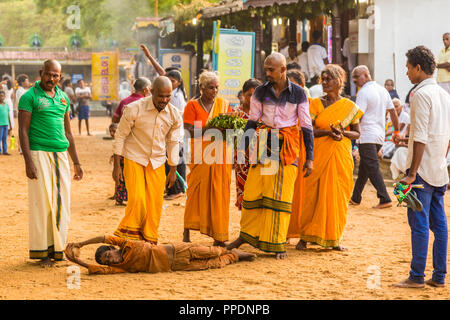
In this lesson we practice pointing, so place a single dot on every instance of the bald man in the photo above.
(45, 136)
(267, 205)
(148, 129)
(374, 100)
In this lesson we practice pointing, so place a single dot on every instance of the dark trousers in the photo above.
(369, 169)
(181, 168)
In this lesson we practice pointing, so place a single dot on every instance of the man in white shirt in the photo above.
(317, 56)
(303, 60)
(148, 130)
(83, 95)
(374, 100)
(283, 47)
(427, 151)
(24, 84)
(351, 62)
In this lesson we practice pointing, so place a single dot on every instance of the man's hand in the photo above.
(409, 179)
(172, 177)
(78, 172)
(31, 170)
(72, 252)
(117, 174)
(145, 49)
(308, 168)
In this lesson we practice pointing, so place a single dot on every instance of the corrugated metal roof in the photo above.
(223, 8)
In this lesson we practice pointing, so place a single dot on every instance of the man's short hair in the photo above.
(305, 46)
(397, 100)
(316, 35)
(21, 79)
(141, 83)
(293, 66)
(100, 251)
(422, 56)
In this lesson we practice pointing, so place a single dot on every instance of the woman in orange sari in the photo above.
(329, 187)
(208, 192)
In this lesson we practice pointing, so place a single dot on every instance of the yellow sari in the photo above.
(329, 187)
(208, 192)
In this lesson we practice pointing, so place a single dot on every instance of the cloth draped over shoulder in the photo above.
(329, 187)
(208, 192)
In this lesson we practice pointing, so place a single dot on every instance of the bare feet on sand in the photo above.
(383, 205)
(244, 256)
(301, 245)
(46, 263)
(186, 236)
(236, 243)
(219, 244)
(281, 256)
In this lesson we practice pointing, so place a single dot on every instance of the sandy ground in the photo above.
(378, 243)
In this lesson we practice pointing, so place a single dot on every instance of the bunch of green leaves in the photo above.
(227, 122)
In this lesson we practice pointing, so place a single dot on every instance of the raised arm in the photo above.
(159, 69)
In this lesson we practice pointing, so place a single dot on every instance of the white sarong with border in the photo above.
(49, 200)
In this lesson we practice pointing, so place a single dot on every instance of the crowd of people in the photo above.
(300, 186)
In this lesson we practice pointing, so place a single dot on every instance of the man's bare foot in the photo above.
(173, 196)
(301, 245)
(281, 256)
(407, 283)
(340, 248)
(353, 203)
(383, 205)
(219, 244)
(236, 243)
(186, 236)
(112, 197)
(89, 134)
(120, 203)
(244, 256)
(46, 263)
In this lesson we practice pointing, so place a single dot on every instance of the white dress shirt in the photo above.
(430, 124)
(373, 100)
(144, 134)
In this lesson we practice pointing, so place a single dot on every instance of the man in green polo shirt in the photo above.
(4, 123)
(45, 136)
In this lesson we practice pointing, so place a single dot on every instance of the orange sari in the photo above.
(208, 192)
(329, 187)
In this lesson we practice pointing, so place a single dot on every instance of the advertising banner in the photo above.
(105, 76)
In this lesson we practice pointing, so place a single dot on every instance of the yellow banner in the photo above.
(105, 76)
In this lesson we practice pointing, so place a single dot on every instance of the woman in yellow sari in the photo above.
(329, 187)
(208, 192)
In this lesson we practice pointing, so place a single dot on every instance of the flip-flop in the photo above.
(413, 202)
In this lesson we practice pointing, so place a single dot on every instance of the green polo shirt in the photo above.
(4, 114)
(46, 131)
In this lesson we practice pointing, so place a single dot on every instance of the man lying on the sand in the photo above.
(140, 256)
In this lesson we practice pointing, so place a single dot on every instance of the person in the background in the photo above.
(292, 54)
(83, 94)
(179, 101)
(443, 64)
(9, 97)
(242, 171)
(283, 47)
(68, 89)
(317, 57)
(350, 62)
(303, 60)
(240, 96)
(390, 87)
(24, 84)
(428, 147)
(389, 146)
(297, 77)
(374, 100)
(124, 90)
(4, 123)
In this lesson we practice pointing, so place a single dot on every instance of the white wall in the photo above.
(405, 24)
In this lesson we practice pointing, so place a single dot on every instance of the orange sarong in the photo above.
(329, 187)
(208, 192)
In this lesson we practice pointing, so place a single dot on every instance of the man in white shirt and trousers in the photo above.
(374, 100)
(427, 151)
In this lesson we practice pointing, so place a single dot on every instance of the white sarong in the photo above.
(49, 200)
